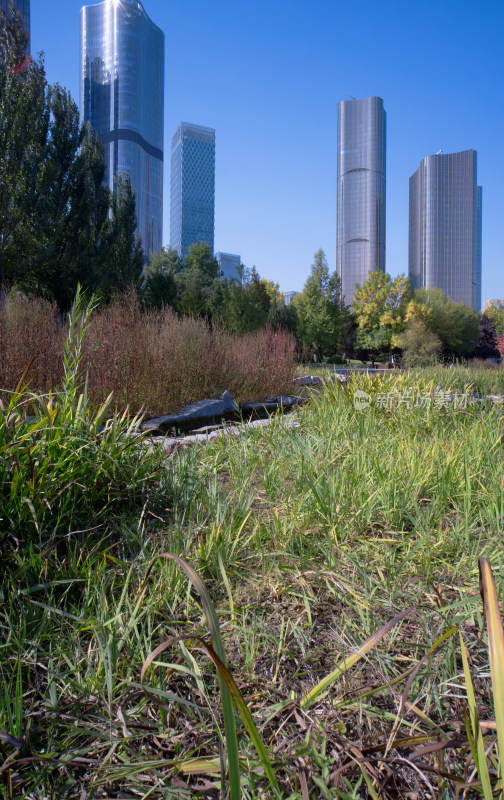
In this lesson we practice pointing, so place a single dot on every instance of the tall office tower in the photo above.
(122, 96)
(192, 207)
(445, 226)
(23, 6)
(229, 266)
(289, 297)
(362, 128)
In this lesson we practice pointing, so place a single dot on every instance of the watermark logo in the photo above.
(409, 400)
(361, 400)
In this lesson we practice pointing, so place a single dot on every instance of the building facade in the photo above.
(289, 297)
(445, 215)
(23, 7)
(499, 304)
(192, 206)
(360, 246)
(122, 96)
(229, 265)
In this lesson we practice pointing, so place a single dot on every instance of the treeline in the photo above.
(60, 225)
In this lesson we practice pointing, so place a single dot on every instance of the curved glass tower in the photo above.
(445, 227)
(122, 96)
(360, 247)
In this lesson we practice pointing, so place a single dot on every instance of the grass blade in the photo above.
(350, 660)
(234, 691)
(227, 703)
(496, 647)
(477, 744)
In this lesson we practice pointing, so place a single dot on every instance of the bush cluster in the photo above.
(153, 360)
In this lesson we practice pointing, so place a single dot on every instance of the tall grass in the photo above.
(342, 558)
(68, 465)
(152, 360)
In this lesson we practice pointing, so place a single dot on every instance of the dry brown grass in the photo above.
(154, 360)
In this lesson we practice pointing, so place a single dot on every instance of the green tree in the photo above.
(497, 315)
(282, 317)
(198, 283)
(456, 325)
(420, 345)
(24, 127)
(380, 306)
(160, 287)
(121, 255)
(246, 303)
(321, 313)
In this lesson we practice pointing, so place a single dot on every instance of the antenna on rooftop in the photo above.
(439, 152)
(351, 96)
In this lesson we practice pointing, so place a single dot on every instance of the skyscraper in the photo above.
(122, 96)
(229, 265)
(192, 207)
(23, 6)
(445, 226)
(362, 126)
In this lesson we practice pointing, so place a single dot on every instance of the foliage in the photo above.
(321, 313)
(455, 324)
(121, 261)
(160, 288)
(497, 315)
(380, 310)
(69, 465)
(487, 344)
(153, 360)
(247, 303)
(420, 345)
(198, 283)
(54, 207)
(310, 543)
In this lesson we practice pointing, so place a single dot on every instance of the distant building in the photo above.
(362, 132)
(122, 96)
(495, 303)
(192, 211)
(230, 266)
(289, 297)
(23, 6)
(445, 226)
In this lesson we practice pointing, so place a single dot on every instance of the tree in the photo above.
(160, 287)
(246, 303)
(420, 345)
(455, 324)
(24, 126)
(380, 309)
(282, 317)
(497, 315)
(121, 254)
(198, 283)
(487, 344)
(321, 313)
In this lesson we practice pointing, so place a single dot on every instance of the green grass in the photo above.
(309, 542)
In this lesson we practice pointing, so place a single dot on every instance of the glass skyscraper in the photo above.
(122, 96)
(362, 126)
(192, 207)
(229, 266)
(23, 6)
(445, 226)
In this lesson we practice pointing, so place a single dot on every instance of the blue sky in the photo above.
(268, 76)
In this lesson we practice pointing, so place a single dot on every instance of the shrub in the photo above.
(67, 466)
(153, 360)
(336, 359)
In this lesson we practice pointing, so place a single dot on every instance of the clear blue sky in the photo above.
(268, 76)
